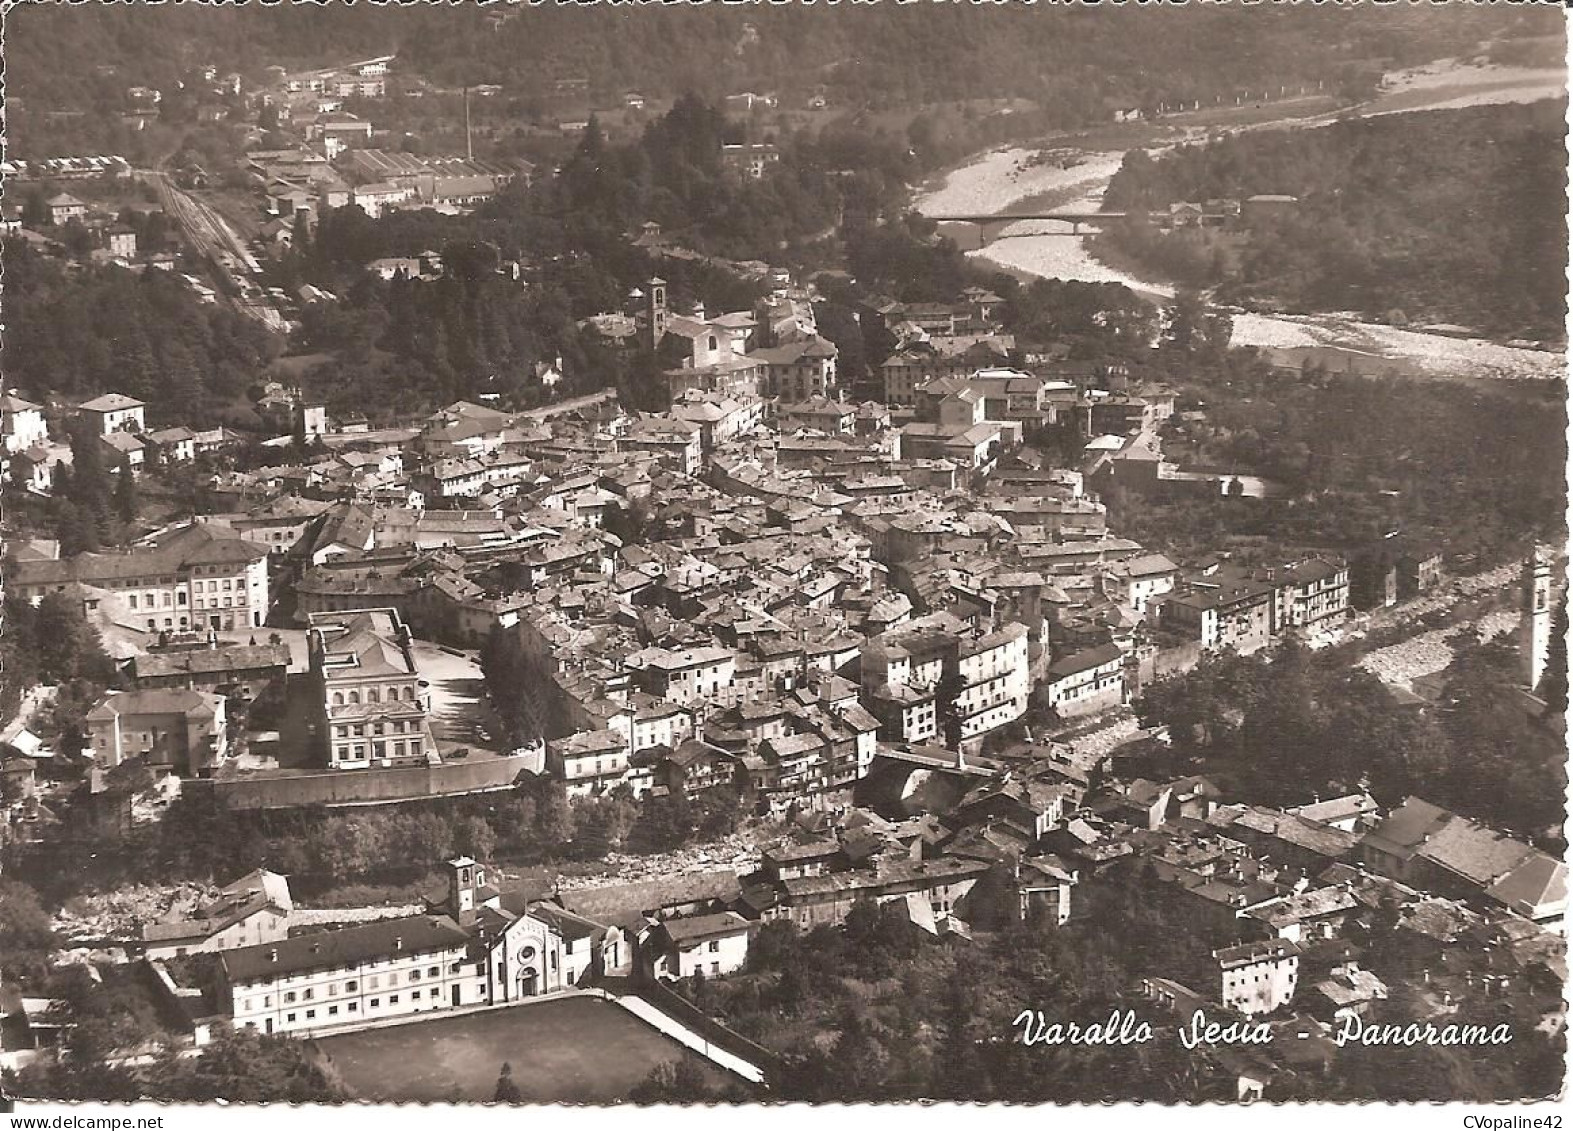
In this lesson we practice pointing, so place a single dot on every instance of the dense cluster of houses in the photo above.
(1274, 910)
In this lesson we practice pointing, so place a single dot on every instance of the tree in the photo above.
(507, 1091)
(245, 1066)
(27, 937)
(1554, 684)
(125, 492)
(674, 1082)
(475, 838)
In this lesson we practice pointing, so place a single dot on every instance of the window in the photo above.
(338, 698)
(376, 1003)
(715, 946)
(415, 975)
(289, 1017)
(372, 696)
(355, 698)
(393, 999)
(132, 600)
(305, 995)
(310, 1013)
(434, 971)
(333, 1011)
(349, 987)
(354, 1006)
(432, 993)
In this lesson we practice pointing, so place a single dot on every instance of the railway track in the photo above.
(217, 242)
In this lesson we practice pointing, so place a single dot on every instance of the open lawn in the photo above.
(571, 1050)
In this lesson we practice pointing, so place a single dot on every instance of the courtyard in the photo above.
(570, 1050)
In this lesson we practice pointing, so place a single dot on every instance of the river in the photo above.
(992, 183)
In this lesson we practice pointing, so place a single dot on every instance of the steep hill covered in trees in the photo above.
(1077, 60)
(1449, 215)
(80, 332)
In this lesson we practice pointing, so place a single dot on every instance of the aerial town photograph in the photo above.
(736, 554)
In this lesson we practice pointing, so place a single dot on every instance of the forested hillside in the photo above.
(84, 331)
(1450, 215)
(1075, 61)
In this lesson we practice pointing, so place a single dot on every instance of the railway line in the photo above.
(215, 240)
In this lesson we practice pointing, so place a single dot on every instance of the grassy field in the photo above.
(572, 1050)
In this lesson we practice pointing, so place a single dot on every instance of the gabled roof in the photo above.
(1085, 660)
(613, 902)
(1538, 885)
(415, 934)
(692, 929)
(112, 402)
(160, 701)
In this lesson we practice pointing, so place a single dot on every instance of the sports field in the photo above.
(571, 1050)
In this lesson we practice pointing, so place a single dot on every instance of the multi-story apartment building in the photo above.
(181, 730)
(687, 676)
(589, 762)
(1228, 607)
(1313, 595)
(1232, 613)
(932, 678)
(372, 708)
(1086, 681)
(1136, 581)
(993, 682)
(194, 577)
(1258, 977)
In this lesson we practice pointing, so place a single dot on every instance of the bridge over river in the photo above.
(992, 228)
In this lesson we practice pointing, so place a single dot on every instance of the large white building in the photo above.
(479, 948)
(193, 577)
(115, 412)
(373, 707)
(22, 424)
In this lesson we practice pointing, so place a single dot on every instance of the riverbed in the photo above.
(1004, 177)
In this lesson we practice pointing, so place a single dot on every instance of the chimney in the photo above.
(469, 148)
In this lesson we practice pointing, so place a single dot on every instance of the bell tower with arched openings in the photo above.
(655, 309)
